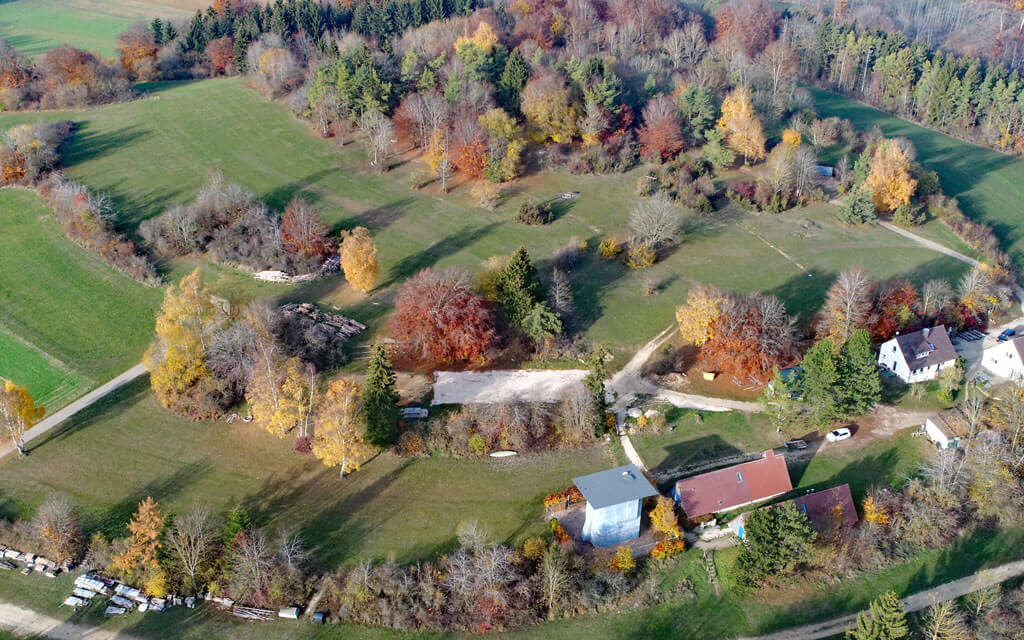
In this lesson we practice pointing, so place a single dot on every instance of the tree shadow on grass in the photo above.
(452, 244)
(591, 281)
(87, 144)
(376, 219)
(332, 529)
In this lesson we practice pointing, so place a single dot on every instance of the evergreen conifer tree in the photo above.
(861, 385)
(821, 381)
(518, 287)
(380, 400)
(513, 80)
(594, 382)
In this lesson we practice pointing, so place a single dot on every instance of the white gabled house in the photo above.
(1005, 359)
(919, 356)
(946, 429)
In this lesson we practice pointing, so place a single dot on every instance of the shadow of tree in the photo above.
(453, 243)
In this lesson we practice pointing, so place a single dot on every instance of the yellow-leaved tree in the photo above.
(18, 413)
(889, 180)
(177, 358)
(663, 517)
(278, 396)
(741, 126)
(339, 432)
(483, 39)
(791, 138)
(550, 109)
(874, 512)
(703, 306)
(359, 259)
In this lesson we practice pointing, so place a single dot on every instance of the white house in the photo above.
(918, 356)
(946, 429)
(1004, 359)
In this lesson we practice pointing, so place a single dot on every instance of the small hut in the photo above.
(613, 504)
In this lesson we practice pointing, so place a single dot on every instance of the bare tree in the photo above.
(655, 220)
(554, 580)
(191, 539)
(847, 306)
(560, 294)
(291, 550)
(327, 109)
(779, 63)
(805, 170)
(57, 529)
(251, 564)
(943, 621)
(380, 134)
(686, 47)
(577, 415)
(935, 295)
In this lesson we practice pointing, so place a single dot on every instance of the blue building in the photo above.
(614, 503)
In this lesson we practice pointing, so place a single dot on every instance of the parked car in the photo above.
(838, 434)
(796, 444)
(1006, 335)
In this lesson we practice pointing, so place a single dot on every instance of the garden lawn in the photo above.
(989, 185)
(77, 321)
(36, 26)
(112, 455)
(171, 139)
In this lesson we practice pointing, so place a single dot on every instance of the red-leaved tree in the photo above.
(302, 230)
(439, 318)
(661, 135)
(752, 334)
(222, 55)
(896, 309)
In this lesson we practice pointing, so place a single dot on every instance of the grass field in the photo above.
(77, 322)
(173, 138)
(35, 26)
(988, 184)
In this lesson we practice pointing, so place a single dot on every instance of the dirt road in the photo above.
(915, 602)
(85, 401)
(25, 622)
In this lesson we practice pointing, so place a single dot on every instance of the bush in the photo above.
(411, 445)
(908, 215)
(641, 255)
(668, 548)
(534, 214)
(609, 248)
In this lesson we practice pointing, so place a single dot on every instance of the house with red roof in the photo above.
(734, 487)
(828, 510)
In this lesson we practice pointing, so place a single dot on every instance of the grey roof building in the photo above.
(918, 356)
(613, 504)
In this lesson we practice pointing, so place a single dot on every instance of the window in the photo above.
(739, 477)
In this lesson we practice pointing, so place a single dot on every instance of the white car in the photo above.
(838, 434)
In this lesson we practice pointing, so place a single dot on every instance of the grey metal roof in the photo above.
(926, 347)
(614, 486)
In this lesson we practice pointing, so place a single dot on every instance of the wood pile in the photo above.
(347, 327)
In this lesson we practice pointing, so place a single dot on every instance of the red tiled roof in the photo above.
(734, 486)
(819, 507)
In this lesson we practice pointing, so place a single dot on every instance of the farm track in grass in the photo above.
(989, 185)
(68, 322)
(156, 152)
(36, 26)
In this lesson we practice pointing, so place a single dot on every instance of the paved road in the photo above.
(915, 602)
(85, 401)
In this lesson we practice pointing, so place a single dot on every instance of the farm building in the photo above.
(1004, 359)
(918, 356)
(946, 429)
(827, 510)
(614, 503)
(735, 486)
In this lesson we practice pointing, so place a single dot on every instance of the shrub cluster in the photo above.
(60, 78)
(534, 214)
(979, 236)
(229, 225)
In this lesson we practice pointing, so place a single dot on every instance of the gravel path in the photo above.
(915, 602)
(85, 401)
(25, 622)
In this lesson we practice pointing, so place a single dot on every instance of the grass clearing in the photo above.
(172, 138)
(989, 185)
(36, 26)
(78, 322)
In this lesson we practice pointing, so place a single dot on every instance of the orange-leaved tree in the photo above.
(359, 259)
(146, 528)
(302, 231)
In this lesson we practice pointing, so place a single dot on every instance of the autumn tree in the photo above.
(750, 24)
(741, 126)
(847, 305)
(944, 621)
(550, 108)
(18, 413)
(339, 425)
(752, 334)
(895, 309)
(303, 232)
(138, 50)
(439, 158)
(936, 295)
(221, 52)
(703, 306)
(889, 179)
(278, 397)
(359, 259)
(439, 318)
(661, 135)
(663, 517)
(57, 528)
(380, 399)
(144, 542)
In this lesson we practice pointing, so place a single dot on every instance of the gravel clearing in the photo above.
(520, 385)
